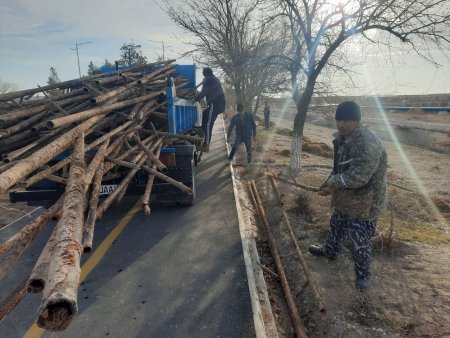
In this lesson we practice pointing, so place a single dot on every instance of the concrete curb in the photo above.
(262, 312)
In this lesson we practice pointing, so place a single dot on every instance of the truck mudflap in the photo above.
(182, 170)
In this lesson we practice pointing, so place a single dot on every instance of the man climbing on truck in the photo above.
(215, 99)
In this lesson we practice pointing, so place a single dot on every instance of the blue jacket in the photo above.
(245, 126)
(212, 90)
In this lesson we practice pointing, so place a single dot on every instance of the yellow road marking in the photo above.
(34, 331)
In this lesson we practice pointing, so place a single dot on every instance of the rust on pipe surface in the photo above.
(167, 179)
(150, 155)
(59, 301)
(31, 163)
(39, 274)
(22, 113)
(149, 186)
(113, 93)
(312, 283)
(135, 109)
(22, 125)
(184, 137)
(123, 185)
(89, 225)
(98, 111)
(44, 173)
(30, 231)
(297, 323)
(70, 83)
(95, 163)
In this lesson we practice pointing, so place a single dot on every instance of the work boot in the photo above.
(362, 284)
(318, 251)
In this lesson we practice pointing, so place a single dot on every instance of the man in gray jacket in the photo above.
(357, 185)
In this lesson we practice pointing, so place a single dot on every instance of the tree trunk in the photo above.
(299, 125)
(258, 98)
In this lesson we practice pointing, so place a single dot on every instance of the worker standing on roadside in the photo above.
(245, 132)
(215, 99)
(357, 185)
(266, 114)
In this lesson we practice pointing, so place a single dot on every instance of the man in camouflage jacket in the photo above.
(357, 185)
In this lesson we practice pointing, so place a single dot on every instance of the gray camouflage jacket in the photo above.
(358, 178)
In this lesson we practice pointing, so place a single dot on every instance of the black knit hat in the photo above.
(207, 71)
(348, 111)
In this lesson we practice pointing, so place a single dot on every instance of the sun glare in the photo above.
(407, 163)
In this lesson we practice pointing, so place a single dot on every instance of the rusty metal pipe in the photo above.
(59, 301)
(311, 282)
(297, 323)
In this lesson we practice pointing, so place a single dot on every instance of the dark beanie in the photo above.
(348, 111)
(207, 71)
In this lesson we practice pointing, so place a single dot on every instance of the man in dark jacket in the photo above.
(215, 99)
(245, 132)
(357, 185)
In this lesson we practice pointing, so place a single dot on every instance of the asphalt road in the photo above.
(178, 273)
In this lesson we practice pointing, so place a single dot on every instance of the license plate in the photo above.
(107, 189)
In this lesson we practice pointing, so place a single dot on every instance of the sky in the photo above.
(37, 35)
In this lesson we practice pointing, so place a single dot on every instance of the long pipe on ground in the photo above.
(59, 302)
(297, 323)
(305, 267)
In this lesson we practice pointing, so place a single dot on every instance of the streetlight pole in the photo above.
(162, 43)
(78, 57)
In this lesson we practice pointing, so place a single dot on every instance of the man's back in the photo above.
(212, 90)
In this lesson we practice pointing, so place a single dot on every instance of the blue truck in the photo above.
(181, 157)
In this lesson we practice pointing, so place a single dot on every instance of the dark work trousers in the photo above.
(267, 120)
(209, 116)
(248, 146)
(355, 233)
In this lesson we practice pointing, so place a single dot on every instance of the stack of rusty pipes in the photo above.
(99, 119)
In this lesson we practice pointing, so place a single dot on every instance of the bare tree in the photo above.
(235, 36)
(6, 87)
(319, 30)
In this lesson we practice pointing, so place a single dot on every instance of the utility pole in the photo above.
(78, 57)
(162, 43)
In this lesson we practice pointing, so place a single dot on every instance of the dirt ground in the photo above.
(410, 291)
